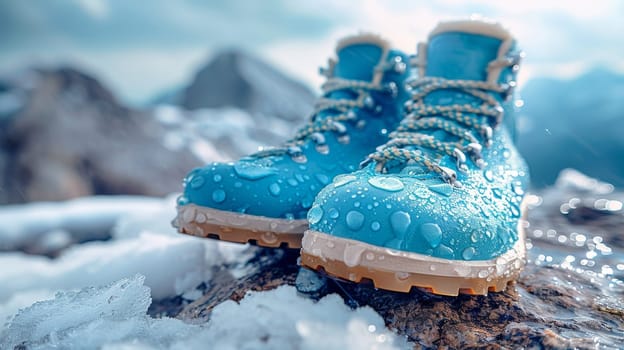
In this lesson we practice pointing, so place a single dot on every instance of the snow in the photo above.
(56, 303)
(219, 134)
(84, 217)
(114, 317)
(143, 242)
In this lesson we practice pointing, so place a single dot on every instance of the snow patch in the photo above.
(93, 317)
(114, 316)
(280, 319)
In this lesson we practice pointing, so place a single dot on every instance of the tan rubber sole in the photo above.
(227, 226)
(401, 271)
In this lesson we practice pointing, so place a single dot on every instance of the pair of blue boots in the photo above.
(406, 175)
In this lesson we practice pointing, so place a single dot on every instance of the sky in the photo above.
(143, 48)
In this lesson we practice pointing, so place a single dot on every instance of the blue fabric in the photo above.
(412, 210)
(454, 55)
(357, 61)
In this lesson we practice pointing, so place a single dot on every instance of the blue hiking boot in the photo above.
(439, 205)
(264, 198)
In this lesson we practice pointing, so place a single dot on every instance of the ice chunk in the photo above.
(93, 317)
(114, 317)
(281, 319)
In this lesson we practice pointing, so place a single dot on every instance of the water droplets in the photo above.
(422, 192)
(292, 182)
(375, 226)
(333, 213)
(218, 196)
(197, 181)
(400, 221)
(322, 178)
(353, 254)
(462, 270)
(489, 175)
(342, 180)
(315, 215)
(402, 276)
(431, 233)
(252, 171)
(275, 189)
(390, 184)
(443, 189)
(354, 220)
(269, 237)
(469, 253)
(216, 178)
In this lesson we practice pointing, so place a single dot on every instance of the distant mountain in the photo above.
(63, 134)
(70, 137)
(576, 124)
(234, 78)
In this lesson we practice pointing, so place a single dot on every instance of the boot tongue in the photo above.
(463, 49)
(358, 56)
(458, 50)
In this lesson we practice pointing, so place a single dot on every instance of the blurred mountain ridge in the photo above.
(574, 123)
(63, 134)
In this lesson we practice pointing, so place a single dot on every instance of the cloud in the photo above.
(118, 24)
(146, 47)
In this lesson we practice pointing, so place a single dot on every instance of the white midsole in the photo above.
(195, 214)
(355, 253)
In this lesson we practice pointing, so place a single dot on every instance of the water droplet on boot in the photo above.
(333, 213)
(375, 226)
(324, 179)
(370, 256)
(292, 182)
(443, 189)
(355, 220)
(515, 211)
(315, 215)
(422, 192)
(306, 203)
(275, 189)
(402, 276)
(342, 180)
(462, 269)
(197, 181)
(489, 175)
(497, 192)
(390, 184)
(353, 255)
(400, 221)
(252, 171)
(432, 234)
(218, 196)
(269, 237)
(468, 253)
(216, 178)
